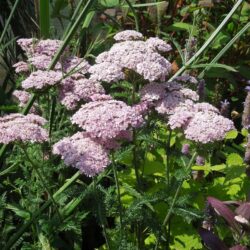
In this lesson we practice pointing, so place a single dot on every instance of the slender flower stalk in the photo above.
(170, 211)
(103, 221)
(118, 192)
(41, 177)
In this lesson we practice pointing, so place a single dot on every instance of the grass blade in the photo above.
(134, 13)
(44, 18)
(209, 41)
(8, 20)
(225, 49)
(23, 228)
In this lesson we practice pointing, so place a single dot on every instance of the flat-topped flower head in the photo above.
(128, 35)
(106, 72)
(22, 96)
(83, 153)
(136, 56)
(21, 67)
(106, 119)
(27, 45)
(201, 122)
(72, 91)
(165, 97)
(21, 128)
(158, 44)
(75, 64)
(42, 62)
(47, 47)
(39, 80)
(207, 127)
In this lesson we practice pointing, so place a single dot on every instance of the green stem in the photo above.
(103, 221)
(70, 33)
(168, 158)
(44, 18)
(170, 211)
(209, 41)
(8, 20)
(135, 15)
(225, 49)
(14, 238)
(118, 192)
(177, 193)
(41, 177)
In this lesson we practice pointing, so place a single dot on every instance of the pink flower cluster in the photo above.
(201, 122)
(131, 53)
(83, 153)
(165, 97)
(23, 97)
(73, 90)
(106, 119)
(40, 79)
(21, 128)
(128, 35)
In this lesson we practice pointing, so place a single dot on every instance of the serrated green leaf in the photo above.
(231, 134)
(204, 168)
(218, 167)
(234, 160)
(244, 132)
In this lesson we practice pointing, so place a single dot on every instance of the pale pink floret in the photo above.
(158, 44)
(27, 45)
(47, 47)
(21, 67)
(106, 119)
(20, 128)
(72, 91)
(75, 64)
(190, 94)
(207, 127)
(136, 56)
(83, 153)
(22, 96)
(165, 97)
(100, 97)
(201, 122)
(127, 35)
(42, 79)
(42, 62)
(107, 72)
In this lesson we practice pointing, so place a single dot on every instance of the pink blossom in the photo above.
(207, 127)
(27, 45)
(106, 119)
(165, 97)
(83, 153)
(158, 44)
(136, 56)
(74, 63)
(42, 62)
(17, 127)
(72, 91)
(41, 79)
(106, 72)
(127, 35)
(201, 122)
(21, 67)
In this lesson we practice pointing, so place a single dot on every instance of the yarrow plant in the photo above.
(111, 115)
